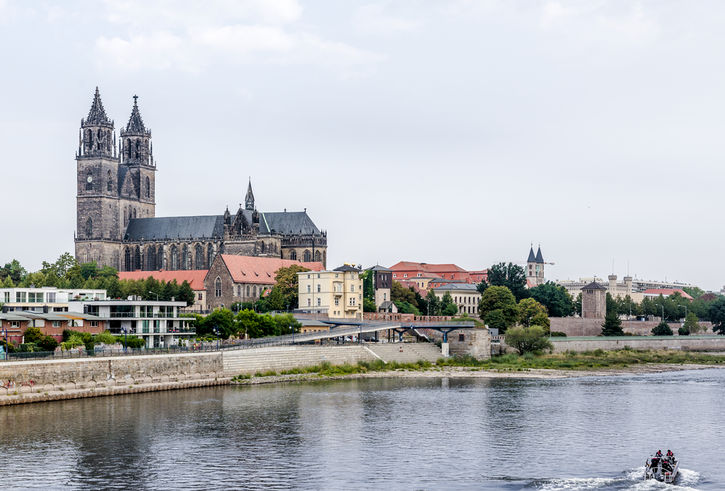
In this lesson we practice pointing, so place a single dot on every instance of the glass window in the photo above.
(218, 287)
(318, 288)
(20, 297)
(318, 301)
(7, 297)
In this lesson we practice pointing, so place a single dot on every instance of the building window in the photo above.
(318, 301)
(293, 255)
(352, 288)
(94, 323)
(307, 256)
(248, 290)
(318, 288)
(309, 302)
(337, 301)
(15, 324)
(199, 297)
(148, 187)
(461, 337)
(309, 288)
(218, 287)
(20, 297)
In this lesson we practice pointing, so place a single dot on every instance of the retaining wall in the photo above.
(578, 326)
(687, 343)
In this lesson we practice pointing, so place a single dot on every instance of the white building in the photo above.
(465, 295)
(156, 322)
(49, 298)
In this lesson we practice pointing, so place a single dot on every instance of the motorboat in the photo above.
(662, 468)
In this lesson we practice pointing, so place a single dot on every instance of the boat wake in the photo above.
(631, 480)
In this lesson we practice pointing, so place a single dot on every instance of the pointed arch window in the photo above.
(209, 255)
(307, 256)
(89, 227)
(199, 257)
(127, 266)
(218, 287)
(148, 187)
(109, 182)
(318, 256)
(174, 258)
(293, 255)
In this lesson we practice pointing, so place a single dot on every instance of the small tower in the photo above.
(249, 199)
(594, 301)
(535, 268)
(137, 186)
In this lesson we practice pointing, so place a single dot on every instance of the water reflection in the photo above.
(371, 434)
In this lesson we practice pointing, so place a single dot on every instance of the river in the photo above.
(447, 433)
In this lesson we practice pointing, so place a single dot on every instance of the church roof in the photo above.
(593, 286)
(539, 257)
(135, 122)
(97, 115)
(532, 256)
(288, 223)
(199, 227)
(195, 277)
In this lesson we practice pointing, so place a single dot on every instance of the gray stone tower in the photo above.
(97, 186)
(594, 301)
(137, 171)
(249, 198)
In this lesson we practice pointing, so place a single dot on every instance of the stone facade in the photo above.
(116, 223)
(594, 301)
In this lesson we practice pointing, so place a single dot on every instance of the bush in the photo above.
(32, 335)
(28, 348)
(683, 331)
(527, 339)
(72, 342)
(105, 338)
(9, 347)
(558, 334)
(48, 343)
(662, 329)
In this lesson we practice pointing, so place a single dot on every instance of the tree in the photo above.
(287, 284)
(14, 271)
(498, 298)
(509, 275)
(448, 307)
(528, 310)
(369, 305)
(528, 339)
(662, 329)
(47, 343)
(612, 325)
(221, 320)
(716, 313)
(32, 335)
(433, 303)
(368, 287)
(693, 291)
(555, 298)
(61, 266)
(691, 324)
(399, 293)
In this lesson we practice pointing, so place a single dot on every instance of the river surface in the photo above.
(445, 433)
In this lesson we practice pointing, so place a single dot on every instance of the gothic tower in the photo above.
(535, 268)
(137, 170)
(97, 179)
(249, 199)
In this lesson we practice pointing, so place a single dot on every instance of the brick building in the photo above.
(234, 278)
(116, 223)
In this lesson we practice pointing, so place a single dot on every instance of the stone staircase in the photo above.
(279, 358)
(406, 352)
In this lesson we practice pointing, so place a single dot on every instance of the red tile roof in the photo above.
(195, 277)
(260, 270)
(666, 292)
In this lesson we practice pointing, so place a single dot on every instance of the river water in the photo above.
(444, 433)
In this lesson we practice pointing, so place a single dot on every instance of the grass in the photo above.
(591, 360)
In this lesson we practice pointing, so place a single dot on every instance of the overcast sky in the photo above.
(434, 131)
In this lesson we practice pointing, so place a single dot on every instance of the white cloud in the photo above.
(376, 18)
(190, 36)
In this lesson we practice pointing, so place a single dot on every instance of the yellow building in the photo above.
(337, 293)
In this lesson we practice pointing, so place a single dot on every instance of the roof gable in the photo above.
(261, 270)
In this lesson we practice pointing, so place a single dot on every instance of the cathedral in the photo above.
(116, 210)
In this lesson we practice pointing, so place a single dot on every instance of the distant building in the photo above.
(45, 299)
(13, 324)
(194, 277)
(465, 296)
(337, 293)
(666, 292)
(535, 268)
(382, 285)
(157, 322)
(410, 271)
(633, 287)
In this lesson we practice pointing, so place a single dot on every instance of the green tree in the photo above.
(499, 298)
(399, 293)
(433, 303)
(286, 282)
(221, 321)
(691, 324)
(32, 335)
(716, 312)
(528, 339)
(368, 305)
(612, 325)
(693, 291)
(47, 343)
(531, 310)
(496, 320)
(368, 287)
(14, 271)
(511, 276)
(448, 307)
(662, 329)
(555, 298)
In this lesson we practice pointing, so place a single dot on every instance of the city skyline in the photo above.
(406, 130)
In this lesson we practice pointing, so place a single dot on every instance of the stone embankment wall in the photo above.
(577, 326)
(685, 343)
(47, 380)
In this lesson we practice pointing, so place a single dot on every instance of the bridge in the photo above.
(342, 329)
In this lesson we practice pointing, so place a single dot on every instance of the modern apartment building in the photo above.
(46, 299)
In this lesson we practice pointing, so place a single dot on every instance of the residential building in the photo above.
(116, 222)
(45, 299)
(157, 322)
(465, 295)
(13, 324)
(409, 271)
(194, 277)
(337, 293)
(382, 285)
(665, 292)
(234, 278)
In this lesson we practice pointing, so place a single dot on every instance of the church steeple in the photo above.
(96, 137)
(136, 139)
(249, 199)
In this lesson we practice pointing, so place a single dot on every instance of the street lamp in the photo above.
(216, 332)
(125, 339)
(157, 295)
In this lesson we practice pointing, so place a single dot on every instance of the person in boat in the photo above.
(659, 453)
(670, 455)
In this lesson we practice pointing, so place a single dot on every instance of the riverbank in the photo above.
(623, 362)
